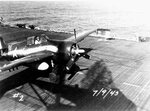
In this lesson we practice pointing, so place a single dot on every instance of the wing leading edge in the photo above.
(79, 37)
(25, 60)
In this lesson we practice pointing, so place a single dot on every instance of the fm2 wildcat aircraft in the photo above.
(58, 57)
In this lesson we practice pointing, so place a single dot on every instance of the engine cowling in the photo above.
(64, 51)
(67, 51)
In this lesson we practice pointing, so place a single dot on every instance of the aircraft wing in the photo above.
(25, 60)
(80, 36)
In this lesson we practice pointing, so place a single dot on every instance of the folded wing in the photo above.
(79, 37)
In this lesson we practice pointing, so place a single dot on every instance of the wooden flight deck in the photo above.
(128, 62)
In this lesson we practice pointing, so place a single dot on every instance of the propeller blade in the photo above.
(75, 35)
(86, 56)
(87, 50)
(84, 69)
(70, 63)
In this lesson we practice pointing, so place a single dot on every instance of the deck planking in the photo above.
(128, 62)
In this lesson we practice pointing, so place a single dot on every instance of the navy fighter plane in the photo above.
(42, 53)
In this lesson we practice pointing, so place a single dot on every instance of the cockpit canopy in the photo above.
(34, 40)
(31, 41)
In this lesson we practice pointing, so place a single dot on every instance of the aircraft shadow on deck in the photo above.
(19, 79)
(97, 91)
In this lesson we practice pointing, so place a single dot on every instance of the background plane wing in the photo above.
(79, 37)
(25, 60)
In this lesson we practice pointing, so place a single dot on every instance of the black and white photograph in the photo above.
(74, 55)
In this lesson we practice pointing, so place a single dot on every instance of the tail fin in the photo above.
(3, 46)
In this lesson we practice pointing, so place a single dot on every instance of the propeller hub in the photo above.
(76, 50)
